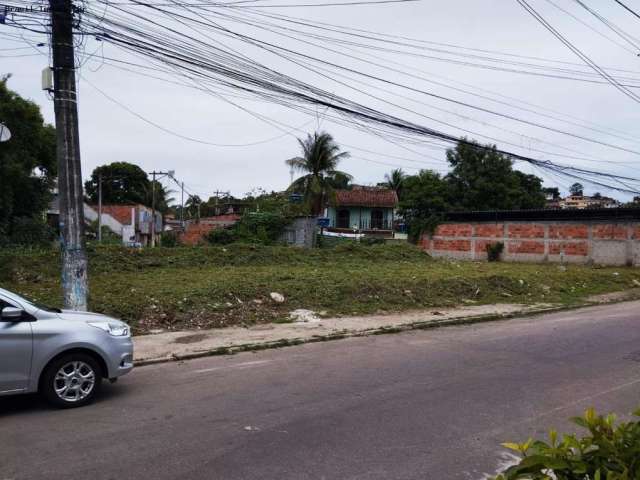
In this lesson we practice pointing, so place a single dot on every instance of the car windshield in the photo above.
(38, 305)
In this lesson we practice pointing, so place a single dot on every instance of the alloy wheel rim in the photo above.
(74, 381)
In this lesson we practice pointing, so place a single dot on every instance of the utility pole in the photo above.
(74, 257)
(182, 205)
(171, 174)
(153, 209)
(99, 208)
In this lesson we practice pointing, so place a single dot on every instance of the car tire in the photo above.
(72, 380)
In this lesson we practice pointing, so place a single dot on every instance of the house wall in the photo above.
(359, 214)
(107, 220)
(599, 242)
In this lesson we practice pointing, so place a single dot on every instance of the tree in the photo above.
(395, 180)
(27, 162)
(576, 189)
(552, 193)
(424, 199)
(531, 193)
(124, 184)
(319, 160)
(484, 179)
(192, 206)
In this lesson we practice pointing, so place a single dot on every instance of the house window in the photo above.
(343, 218)
(377, 219)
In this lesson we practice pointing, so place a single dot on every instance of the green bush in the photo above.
(221, 236)
(259, 228)
(494, 251)
(372, 241)
(26, 231)
(169, 239)
(608, 452)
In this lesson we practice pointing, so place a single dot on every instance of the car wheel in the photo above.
(72, 380)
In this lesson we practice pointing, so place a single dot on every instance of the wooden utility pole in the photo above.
(74, 257)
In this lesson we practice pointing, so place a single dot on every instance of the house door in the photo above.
(377, 219)
(343, 218)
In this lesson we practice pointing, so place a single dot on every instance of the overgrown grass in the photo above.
(204, 287)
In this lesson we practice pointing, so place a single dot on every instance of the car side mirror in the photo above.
(11, 314)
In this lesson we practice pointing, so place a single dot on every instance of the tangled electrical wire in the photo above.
(214, 47)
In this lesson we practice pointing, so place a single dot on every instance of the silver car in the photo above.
(62, 354)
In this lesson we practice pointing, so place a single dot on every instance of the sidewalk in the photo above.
(169, 346)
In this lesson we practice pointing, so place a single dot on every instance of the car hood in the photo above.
(86, 317)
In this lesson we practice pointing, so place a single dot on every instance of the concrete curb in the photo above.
(420, 325)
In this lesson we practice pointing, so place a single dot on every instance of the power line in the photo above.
(627, 8)
(575, 50)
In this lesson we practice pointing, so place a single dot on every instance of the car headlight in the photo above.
(113, 329)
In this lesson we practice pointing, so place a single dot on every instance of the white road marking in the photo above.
(237, 365)
(586, 399)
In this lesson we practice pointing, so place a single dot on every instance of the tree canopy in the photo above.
(125, 183)
(27, 163)
(480, 179)
(483, 179)
(576, 189)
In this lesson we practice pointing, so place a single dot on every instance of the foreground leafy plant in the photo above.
(608, 452)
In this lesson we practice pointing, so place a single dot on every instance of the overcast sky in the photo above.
(110, 133)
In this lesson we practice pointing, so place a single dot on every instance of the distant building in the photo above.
(580, 202)
(230, 206)
(131, 222)
(363, 209)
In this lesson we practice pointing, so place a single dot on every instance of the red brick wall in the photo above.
(195, 233)
(525, 230)
(492, 230)
(452, 245)
(569, 248)
(454, 230)
(481, 245)
(606, 243)
(610, 232)
(568, 231)
(525, 246)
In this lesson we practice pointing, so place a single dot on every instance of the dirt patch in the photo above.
(632, 294)
(195, 338)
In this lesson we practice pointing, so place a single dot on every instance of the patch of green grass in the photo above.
(204, 287)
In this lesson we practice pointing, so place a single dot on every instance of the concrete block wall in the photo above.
(598, 242)
(301, 232)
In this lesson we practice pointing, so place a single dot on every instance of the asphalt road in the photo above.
(431, 404)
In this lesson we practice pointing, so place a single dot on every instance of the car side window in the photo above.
(4, 304)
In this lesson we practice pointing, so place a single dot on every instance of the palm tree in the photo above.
(192, 206)
(395, 180)
(319, 160)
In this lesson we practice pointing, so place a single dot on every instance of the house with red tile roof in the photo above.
(131, 222)
(362, 209)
